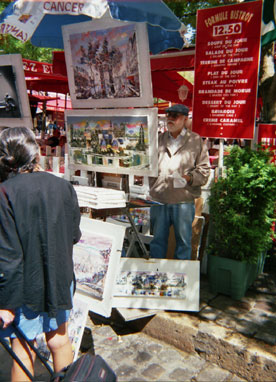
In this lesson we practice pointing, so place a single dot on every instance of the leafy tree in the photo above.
(186, 11)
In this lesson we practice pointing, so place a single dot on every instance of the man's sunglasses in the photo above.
(173, 114)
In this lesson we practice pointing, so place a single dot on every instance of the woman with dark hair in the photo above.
(39, 223)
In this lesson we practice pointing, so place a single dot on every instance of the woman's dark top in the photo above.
(39, 223)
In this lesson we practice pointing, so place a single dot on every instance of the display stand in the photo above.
(106, 212)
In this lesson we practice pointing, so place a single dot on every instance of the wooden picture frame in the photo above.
(108, 64)
(96, 260)
(14, 102)
(120, 141)
(157, 284)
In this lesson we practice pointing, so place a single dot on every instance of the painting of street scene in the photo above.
(105, 63)
(151, 284)
(91, 260)
(118, 143)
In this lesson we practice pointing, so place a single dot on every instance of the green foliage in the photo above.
(242, 206)
(186, 11)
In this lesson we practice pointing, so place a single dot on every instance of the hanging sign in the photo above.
(36, 67)
(267, 138)
(226, 70)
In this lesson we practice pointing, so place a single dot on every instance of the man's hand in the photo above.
(6, 318)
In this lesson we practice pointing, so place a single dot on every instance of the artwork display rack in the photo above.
(106, 212)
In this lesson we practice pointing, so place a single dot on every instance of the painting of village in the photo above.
(91, 260)
(105, 63)
(118, 143)
(151, 284)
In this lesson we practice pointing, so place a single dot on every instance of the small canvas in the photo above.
(14, 102)
(108, 64)
(96, 262)
(157, 284)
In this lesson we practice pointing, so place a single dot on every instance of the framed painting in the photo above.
(14, 102)
(157, 284)
(108, 64)
(121, 141)
(96, 261)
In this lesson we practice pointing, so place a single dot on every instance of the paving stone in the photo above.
(142, 357)
(214, 374)
(153, 371)
(181, 374)
(155, 348)
(210, 313)
(269, 338)
(170, 355)
(125, 371)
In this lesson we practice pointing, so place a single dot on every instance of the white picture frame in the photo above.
(120, 141)
(108, 64)
(96, 262)
(157, 284)
(14, 102)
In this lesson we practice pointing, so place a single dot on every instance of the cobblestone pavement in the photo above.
(138, 357)
(224, 337)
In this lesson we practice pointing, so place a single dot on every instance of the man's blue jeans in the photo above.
(181, 216)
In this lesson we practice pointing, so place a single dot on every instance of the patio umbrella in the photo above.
(40, 21)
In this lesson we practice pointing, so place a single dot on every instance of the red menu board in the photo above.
(226, 70)
(267, 138)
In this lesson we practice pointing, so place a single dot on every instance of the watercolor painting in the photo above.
(118, 141)
(91, 259)
(96, 263)
(151, 284)
(105, 59)
(157, 284)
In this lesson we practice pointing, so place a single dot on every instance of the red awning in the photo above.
(166, 81)
(173, 60)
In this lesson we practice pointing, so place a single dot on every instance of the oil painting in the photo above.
(108, 64)
(120, 141)
(157, 284)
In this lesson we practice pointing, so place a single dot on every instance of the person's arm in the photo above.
(6, 318)
(200, 174)
(77, 216)
(11, 258)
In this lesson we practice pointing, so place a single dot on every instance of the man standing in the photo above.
(183, 167)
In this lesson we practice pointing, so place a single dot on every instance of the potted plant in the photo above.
(242, 208)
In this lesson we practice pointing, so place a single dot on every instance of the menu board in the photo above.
(226, 70)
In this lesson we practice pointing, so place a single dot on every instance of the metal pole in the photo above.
(220, 161)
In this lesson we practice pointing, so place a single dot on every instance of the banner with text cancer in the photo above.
(226, 70)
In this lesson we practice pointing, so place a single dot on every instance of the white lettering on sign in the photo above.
(231, 120)
(63, 6)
